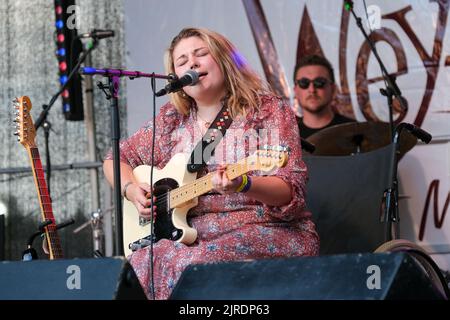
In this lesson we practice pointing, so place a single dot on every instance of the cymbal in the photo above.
(357, 137)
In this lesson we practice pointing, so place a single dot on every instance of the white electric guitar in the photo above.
(176, 192)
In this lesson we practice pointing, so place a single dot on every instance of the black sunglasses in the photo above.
(318, 83)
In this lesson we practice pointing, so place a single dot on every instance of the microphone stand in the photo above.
(42, 119)
(111, 91)
(392, 89)
(391, 198)
(30, 253)
(113, 96)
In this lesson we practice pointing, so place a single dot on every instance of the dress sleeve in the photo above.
(137, 149)
(282, 129)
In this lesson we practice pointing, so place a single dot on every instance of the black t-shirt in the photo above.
(305, 131)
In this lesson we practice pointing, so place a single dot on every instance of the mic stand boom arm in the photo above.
(42, 119)
(44, 112)
(391, 86)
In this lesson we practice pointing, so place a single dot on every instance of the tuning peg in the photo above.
(16, 119)
(16, 133)
(16, 99)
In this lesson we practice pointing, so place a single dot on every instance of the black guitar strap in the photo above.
(215, 132)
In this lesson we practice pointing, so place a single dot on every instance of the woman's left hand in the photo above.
(222, 184)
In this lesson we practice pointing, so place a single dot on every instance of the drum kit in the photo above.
(357, 137)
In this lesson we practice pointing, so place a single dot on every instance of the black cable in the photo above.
(16, 177)
(54, 200)
(367, 16)
(152, 283)
(436, 269)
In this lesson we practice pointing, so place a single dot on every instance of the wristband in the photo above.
(124, 190)
(243, 183)
(247, 185)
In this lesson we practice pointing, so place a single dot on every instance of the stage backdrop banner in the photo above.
(412, 39)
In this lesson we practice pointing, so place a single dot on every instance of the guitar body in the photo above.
(177, 191)
(169, 223)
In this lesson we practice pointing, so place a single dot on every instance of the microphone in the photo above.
(348, 5)
(189, 79)
(97, 34)
(307, 146)
(416, 131)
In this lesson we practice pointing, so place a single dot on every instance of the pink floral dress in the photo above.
(230, 227)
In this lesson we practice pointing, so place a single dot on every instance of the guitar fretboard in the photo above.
(46, 204)
(204, 184)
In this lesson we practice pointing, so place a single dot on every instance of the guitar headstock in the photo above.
(269, 158)
(24, 123)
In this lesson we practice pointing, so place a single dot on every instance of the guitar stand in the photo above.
(30, 253)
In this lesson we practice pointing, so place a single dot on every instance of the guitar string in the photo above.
(240, 167)
(55, 244)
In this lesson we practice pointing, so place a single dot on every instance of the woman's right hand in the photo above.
(140, 195)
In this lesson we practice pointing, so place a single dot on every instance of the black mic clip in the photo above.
(172, 77)
(97, 34)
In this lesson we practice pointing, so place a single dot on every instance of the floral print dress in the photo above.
(230, 227)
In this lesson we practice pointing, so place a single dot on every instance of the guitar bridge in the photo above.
(144, 221)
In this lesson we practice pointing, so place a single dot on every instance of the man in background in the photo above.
(314, 90)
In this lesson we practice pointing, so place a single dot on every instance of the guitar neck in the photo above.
(204, 184)
(45, 202)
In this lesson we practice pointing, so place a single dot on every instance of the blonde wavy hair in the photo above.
(242, 84)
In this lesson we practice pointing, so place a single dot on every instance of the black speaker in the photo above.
(2, 236)
(76, 279)
(370, 276)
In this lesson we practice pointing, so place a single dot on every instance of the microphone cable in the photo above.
(152, 283)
